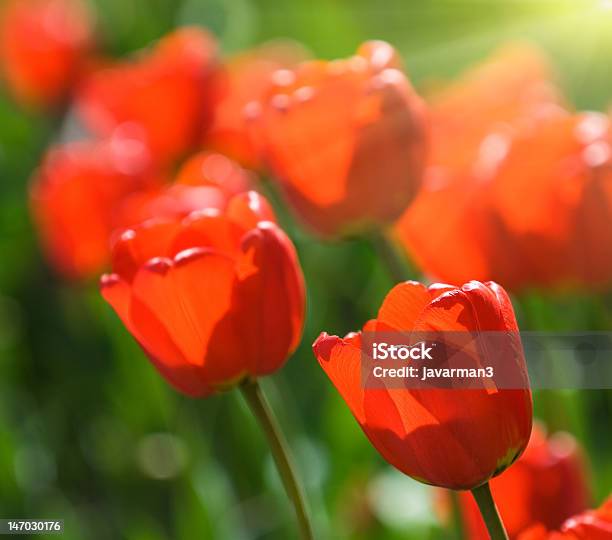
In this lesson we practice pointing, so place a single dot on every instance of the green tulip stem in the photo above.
(388, 251)
(490, 514)
(257, 402)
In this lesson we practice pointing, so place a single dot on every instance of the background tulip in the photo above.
(43, 46)
(345, 139)
(589, 525)
(547, 485)
(552, 195)
(517, 188)
(244, 78)
(448, 230)
(86, 179)
(446, 437)
(213, 299)
(168, 91)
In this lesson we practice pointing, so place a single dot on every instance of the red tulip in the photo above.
(43, 44)
(168, 91)
(506, 91)
(205, 181)
(517, 189)
(212, 299)
(346, 139)
(590, 525)
(471, 121)
(553, 196)
(455, 438)
(245, 78)
(75, 194)
(546, 485)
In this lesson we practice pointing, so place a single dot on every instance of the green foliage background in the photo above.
(90, 433)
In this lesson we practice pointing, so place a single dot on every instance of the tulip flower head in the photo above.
(589, 525)
(169, 91)
(517, 189)
(547, 485)
(214, 298)
(449, 437)
(74, 198)
(244, 78)
(43, 46)
(345, 139)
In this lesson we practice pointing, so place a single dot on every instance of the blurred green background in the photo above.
(91, 434)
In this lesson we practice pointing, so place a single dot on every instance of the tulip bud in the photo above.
(75, 194)
(243, 79)
(345, 139)
(214, 298)
(589, 525)
(546, 485)
(43, 45)
(450, 437)
(168, 91)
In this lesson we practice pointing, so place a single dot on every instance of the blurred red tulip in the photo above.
(546, 485)
(43, 44)
(517, 190)
(206, 180)
(346, 139)
(212, 299)
(455, 438)
(244, 78)
(501, 94)
(169, 91)
(446, 229)
(590, 525)
(75, 194)
(552, 196)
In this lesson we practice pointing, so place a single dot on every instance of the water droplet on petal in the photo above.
(596, 154)
(283, 77)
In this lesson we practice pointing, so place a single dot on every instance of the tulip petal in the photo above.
(135, 247)
(191, 296)
(271, 290)
(208, 229)
(403, 305)
(153, 337)
(341, 361)
(407, 432)
(248, 209)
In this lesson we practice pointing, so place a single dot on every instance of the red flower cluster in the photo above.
(517, 189)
